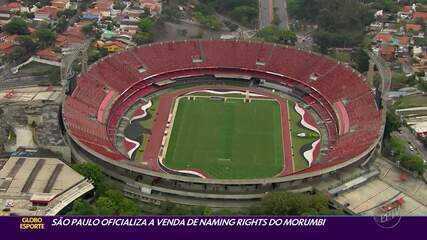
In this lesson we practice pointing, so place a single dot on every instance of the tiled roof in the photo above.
(48, 54)
(422, 15)
(403, 40)
(384, 37)
(413, 27)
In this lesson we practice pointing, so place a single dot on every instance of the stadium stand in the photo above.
(337, 93)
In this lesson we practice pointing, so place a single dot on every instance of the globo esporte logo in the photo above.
(31, 223)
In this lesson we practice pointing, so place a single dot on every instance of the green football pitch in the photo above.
(226, 139)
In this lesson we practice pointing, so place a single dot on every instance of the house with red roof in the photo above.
(403, 40)
(49, 55)
(46, 13)
(71, 37)
(387, 52)
(7, 10)
(154, 6)
(14, 6)
(61, 4)
(407, 9)
(420, 15)
(7, 42)
(91, 14)
(5, 13)
(406, 12)
(383, 37)
(104, 8)
(112, 46)
(413, 27)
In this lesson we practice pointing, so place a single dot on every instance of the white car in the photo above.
(9, 204)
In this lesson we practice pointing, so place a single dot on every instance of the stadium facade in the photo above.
(99, 108)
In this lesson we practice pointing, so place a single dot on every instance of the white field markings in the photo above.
(175, 109)
(283, 139)
(233, 98)
(169, 130)
(281, 134)
(255, 98)
(290, 135)
(168, 135)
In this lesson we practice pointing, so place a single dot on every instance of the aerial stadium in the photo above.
(215, 121)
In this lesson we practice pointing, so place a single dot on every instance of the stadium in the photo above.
(220, 122)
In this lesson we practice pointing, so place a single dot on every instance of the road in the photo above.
(281, 8)
(266, 13)
(269, 8)
(412, 139)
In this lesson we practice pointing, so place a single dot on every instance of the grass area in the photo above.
(227, 140)
(37, 69)
(300, 162)
(412, 101)
(147, 124)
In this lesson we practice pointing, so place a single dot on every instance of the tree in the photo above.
(377, 80)
(276, 35)
(17, 54)
(145, 33)
(42, 3)
(105, 206)
(326, 40)
(27, 42)
(84, 5)
(68, 13)
(16, 26)
(114, 203)
(61, 25)
(94, 173)
(145, 24)
(119, 5)
(399, 79)
(88, 29)
(412, 162)
(245, 15)
(208, 21)
(168, 208)
(392, 123)
(340, 23)
(387, 5)
(45, 37)
(306, 10)
(169, 13)
(81, 207)
(94, 54)
(244, 12)
(29, 3)
(422, 85)
(143, 38)
(54, 76)
(341, 56)
(286, 203)
(361, 60)
(424, 141)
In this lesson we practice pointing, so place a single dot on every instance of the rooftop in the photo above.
(38, 181)
(413, 27)
(422, 15)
